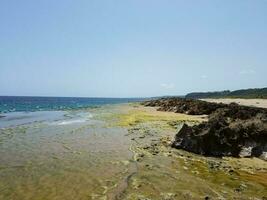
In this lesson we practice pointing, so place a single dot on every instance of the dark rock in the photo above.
(181, 105)
(231, 130)
(234, 131)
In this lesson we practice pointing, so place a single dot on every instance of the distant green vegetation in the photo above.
(202, 95)
(260, 93)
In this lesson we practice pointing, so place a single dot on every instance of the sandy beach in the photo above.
(261, 103)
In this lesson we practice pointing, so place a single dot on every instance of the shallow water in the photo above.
(61, 155)
(22, 118)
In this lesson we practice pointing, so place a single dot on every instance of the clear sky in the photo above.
(131, 48)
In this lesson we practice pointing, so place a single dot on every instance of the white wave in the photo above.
(67, 122)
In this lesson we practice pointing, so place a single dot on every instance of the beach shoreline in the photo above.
(122, 151)
(261, 103)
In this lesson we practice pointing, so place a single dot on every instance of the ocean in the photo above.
(31, 104)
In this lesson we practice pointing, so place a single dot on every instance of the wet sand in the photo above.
(262, 103)
(120, 152)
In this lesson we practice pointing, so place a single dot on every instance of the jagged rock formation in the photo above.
(187, 106)
(231, 130)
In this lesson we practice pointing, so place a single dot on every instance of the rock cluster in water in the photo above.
(231, 130)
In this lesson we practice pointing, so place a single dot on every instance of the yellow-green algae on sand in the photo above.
(134, 114)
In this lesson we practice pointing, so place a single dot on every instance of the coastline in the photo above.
(123, 151)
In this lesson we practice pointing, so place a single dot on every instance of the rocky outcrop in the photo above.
(231, 130)
(187, 106)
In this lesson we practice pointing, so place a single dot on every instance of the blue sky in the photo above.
(131, 48)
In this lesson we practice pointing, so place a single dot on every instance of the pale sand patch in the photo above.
(262, 103)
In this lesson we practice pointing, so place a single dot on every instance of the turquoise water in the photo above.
(28, 104)
(15, 111)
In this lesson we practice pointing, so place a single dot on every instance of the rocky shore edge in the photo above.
(231, 129)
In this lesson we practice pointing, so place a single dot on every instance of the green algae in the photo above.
(139, 115)
(136, 117)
